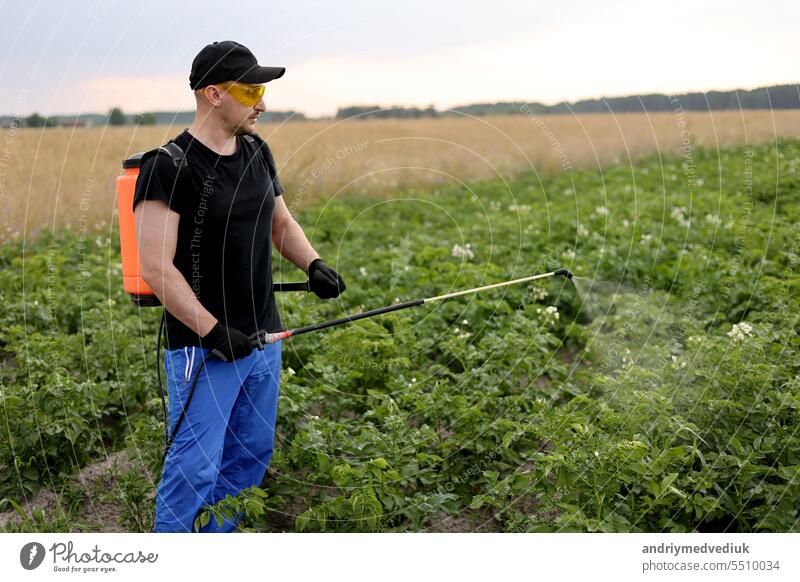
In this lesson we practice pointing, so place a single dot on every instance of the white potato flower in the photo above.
(740, 331)
(465, 251)
(549, 314)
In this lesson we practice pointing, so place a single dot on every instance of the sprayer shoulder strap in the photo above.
(260, 145)
(175, 152)
(171, 150)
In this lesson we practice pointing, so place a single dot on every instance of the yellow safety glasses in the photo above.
(245, 94)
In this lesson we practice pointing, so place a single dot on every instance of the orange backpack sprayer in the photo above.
(140, 292)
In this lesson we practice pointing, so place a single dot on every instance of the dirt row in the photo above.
(96, 489)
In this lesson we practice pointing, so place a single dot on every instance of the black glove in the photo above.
(226, 343)
(324, 281)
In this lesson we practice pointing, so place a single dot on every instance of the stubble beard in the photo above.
(244, 128)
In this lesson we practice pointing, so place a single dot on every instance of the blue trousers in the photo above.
(225, 441)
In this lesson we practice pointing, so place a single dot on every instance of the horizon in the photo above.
(93, 56)
(422, 106)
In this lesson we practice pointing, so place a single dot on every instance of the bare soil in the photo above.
(100, 499)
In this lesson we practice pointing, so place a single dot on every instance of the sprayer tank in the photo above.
(140, 292)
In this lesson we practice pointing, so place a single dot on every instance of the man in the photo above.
(204, 243)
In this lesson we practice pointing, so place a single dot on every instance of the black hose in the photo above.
(158, 370)
(169, 438)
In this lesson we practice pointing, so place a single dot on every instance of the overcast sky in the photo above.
(87, 56)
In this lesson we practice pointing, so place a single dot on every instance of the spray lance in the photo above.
(265, 338)
(261, 338)
(142, 295)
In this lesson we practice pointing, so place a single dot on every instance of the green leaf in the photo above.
(477, 502)
(380, 462)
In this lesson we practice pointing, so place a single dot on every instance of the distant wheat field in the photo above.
(64, 177)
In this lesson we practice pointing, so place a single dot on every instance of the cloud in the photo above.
(639, 49)
(582, 50)
(133, 94)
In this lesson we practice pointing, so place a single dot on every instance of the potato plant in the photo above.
(659, 392)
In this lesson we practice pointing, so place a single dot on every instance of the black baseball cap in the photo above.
(229, 61)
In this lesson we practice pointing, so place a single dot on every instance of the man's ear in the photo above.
(213, 95)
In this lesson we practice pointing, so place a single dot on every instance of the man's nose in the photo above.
(260, 106)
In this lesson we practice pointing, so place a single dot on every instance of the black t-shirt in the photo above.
(224, 246)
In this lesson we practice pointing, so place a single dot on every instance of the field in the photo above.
(65, 177)
(659, 392)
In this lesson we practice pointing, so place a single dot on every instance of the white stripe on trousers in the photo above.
(187, 369)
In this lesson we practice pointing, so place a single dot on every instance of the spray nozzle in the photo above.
(566, 272)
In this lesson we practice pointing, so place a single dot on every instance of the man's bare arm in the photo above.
(157, 232)
(289, 238)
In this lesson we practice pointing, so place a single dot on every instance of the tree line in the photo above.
(114, 117)
(774, 97)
